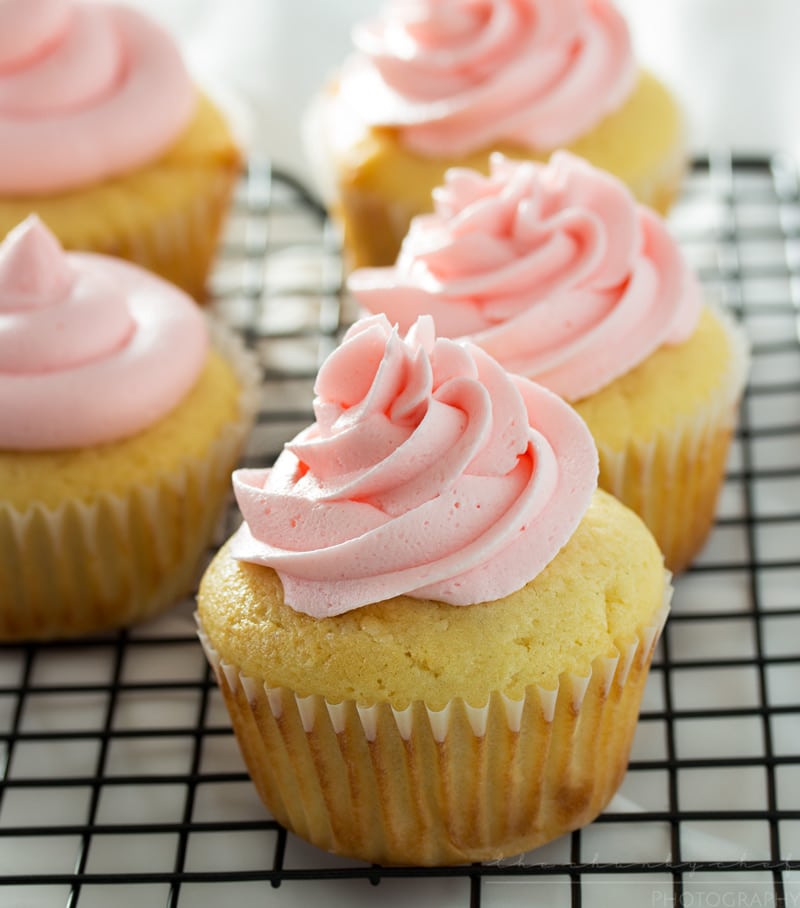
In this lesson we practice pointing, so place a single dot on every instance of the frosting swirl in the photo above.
(552, 269)
(429, 472)
(456, 76)
(87, 91)
(92, 349)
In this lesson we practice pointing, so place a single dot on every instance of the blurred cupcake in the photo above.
(556, 272)
(120, 421)
(103, 134)
(431, 631)
(433, 85)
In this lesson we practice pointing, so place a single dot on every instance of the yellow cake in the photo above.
(416, 732)
(375, 185)
(432, 726)
(107, 139)
(596, 597)
(87, 474)
(99, 535)
(663, 431)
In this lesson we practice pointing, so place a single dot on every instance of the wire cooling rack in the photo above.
(120, 782)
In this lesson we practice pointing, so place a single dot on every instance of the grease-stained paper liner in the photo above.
(673, 481)
(461, 784)
(81, 568)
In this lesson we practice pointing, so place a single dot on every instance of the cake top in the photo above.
(87, 91)
(92, 349)
(429, 472)
(553, 269)
(457, 75)
(606, 585)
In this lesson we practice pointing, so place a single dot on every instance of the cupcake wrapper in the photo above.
(449, 786)
(181, 243)
(673, 481)
(82, 568)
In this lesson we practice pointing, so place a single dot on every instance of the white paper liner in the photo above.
(689, 456)
(181, 245)
(462, 783)
(84, 567)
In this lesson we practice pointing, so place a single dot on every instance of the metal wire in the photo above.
(120, 782)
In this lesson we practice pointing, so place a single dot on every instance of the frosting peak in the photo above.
(554, 270)
(87, 91)
(457, 75)
(33, 270)
(91, 349)
(430, 472)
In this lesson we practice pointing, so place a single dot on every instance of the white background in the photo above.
(734, 64)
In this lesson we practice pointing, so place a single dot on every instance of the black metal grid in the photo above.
(120, 782)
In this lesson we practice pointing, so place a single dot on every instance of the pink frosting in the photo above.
(554, 270)
(87, 91)
(457, 75)
(430, 472)
(92, 349)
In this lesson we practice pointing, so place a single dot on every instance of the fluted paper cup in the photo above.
(464, 783)
(178, 239)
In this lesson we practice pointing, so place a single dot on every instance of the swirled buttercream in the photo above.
(456, 76)
(87, 91)
(92, 349)
(430, 472)
(552, 269)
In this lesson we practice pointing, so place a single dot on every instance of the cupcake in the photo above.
(558, 273)
(104, 135)
(121, 416)
(431, 630)
(433, 85)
